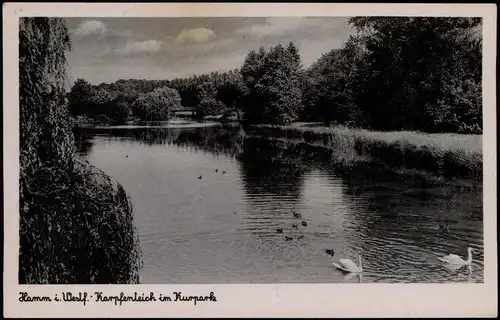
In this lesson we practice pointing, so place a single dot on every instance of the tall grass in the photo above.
(447, 155)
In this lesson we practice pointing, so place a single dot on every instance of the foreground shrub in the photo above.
(77, 228)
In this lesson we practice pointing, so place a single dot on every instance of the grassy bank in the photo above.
(448, 155)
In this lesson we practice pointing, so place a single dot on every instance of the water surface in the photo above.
(197, 225)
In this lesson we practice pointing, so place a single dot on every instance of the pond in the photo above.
(208, 203)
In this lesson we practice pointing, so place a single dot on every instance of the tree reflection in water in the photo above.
(83, 141)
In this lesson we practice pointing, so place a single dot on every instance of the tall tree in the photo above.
(252, 71)
(331, 85)
(232, 91)
(80, 96)
(76, 224)
(417, 67)
(274, 82)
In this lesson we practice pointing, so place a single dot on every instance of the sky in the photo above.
(109, 49)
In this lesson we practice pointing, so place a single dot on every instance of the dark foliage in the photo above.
(273, 79)
(419, 74)
(76, 224)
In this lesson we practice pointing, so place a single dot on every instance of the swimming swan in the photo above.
(348, 266)
(456, 260)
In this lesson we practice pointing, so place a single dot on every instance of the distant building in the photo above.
(184, 113)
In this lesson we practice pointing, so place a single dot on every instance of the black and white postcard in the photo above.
(248, 159)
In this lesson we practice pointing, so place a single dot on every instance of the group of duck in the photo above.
(216, 171)
(347, 265)
(296, 215)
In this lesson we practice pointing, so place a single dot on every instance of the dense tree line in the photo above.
(396, 73)
(402, 74)
(211, 94)
(208, 94)
(121, 102)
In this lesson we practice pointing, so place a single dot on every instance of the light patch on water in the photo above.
(166, 125)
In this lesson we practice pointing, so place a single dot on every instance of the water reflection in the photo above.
(83, 141)
(401, 230)
(269, 171)
(350, 277)
(223, 228)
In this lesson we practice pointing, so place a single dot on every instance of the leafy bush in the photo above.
(459, 110)
(157, 104)
(209, 106)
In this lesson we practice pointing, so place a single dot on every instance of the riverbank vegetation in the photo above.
(76, 223)
(448, 155)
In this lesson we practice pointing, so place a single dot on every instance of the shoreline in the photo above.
(446, 155)
(174, 123)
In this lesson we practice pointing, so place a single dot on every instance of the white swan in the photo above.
(348, 266)
(453, 259)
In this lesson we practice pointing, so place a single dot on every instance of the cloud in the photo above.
(126, 49)
(193, 36)
(311, 49)
(140, 48)
(90, 27)
(274, 26)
